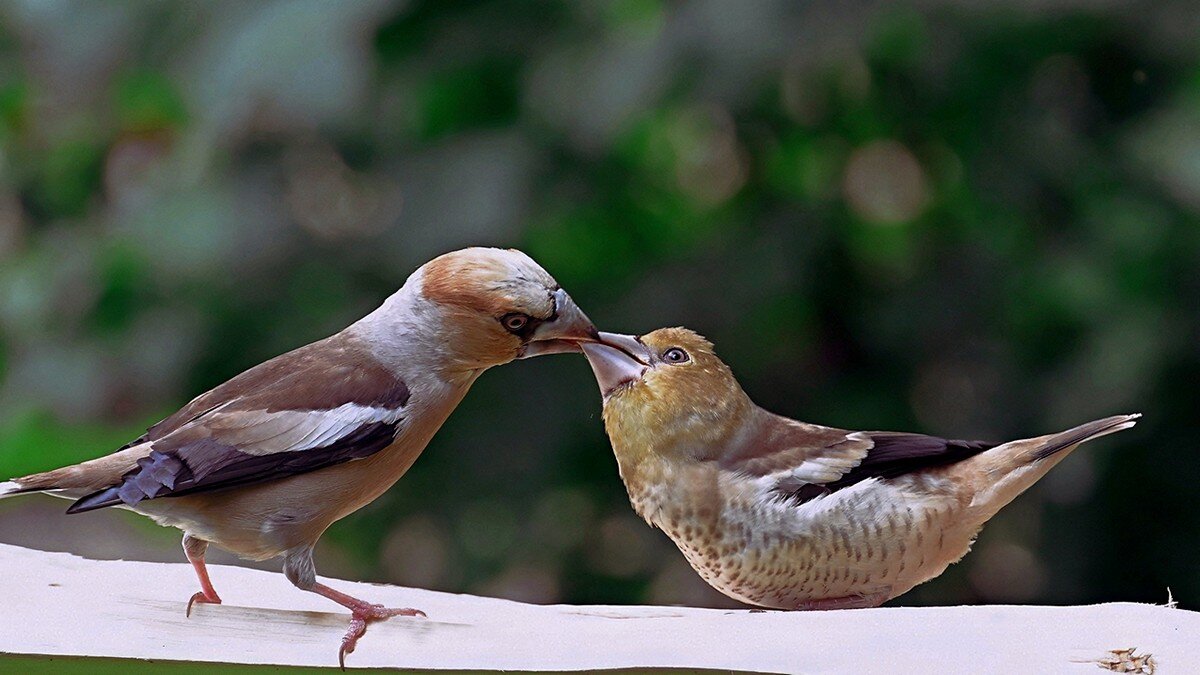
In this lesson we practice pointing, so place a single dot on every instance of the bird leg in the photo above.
(194, 549)
(299, 569)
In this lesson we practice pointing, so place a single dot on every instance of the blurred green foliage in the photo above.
(975, 222)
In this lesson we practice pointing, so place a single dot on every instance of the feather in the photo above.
(890, 455)
(9, 488)
(210, 465)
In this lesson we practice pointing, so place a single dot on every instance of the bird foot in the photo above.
(202, 598)
(360, 616)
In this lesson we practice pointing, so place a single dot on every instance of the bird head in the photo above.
(500, 305)
(665, 392)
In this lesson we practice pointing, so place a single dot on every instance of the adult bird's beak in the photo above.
(617, 360)
(564, 333)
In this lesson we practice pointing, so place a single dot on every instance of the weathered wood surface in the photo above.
(61, 605)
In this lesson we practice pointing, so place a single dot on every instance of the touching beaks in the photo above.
(617, 360)
(564, 333)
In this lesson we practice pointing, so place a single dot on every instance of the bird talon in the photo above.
(201, 598)
(358, 626)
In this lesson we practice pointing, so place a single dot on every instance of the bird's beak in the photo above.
(617, 360)
(564, 333)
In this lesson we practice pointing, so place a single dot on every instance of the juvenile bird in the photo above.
(789, 515)
(263, 463)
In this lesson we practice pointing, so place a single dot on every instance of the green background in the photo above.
(975, 222)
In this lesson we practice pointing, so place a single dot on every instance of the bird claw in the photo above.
(203, 599)
(360, 617)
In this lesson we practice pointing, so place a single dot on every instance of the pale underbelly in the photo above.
(878, 550)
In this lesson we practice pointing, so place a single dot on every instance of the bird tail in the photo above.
(1002, 473)
(1066, 440)
(76, 480)
(64, 482)
(9, 488)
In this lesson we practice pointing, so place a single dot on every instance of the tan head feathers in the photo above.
(489, 280)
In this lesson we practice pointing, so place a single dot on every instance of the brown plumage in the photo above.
(262, 464)
(790, 515)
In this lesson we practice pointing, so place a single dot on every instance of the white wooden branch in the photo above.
(61, 605)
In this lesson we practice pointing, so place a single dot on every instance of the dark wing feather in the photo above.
(892, 454)
(210, 465)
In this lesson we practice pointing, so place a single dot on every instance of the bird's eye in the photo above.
(513, 323)
(675, 355)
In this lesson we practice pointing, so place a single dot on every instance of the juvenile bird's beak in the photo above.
(564, 333)
(617, 360)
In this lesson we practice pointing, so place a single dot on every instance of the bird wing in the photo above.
(804, 461)
(789, 450)
(323, 404)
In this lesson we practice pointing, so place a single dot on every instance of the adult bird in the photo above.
(789, 515)
(262, 464)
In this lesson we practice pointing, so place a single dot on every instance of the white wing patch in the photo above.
(825, 465)
(258, 432)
